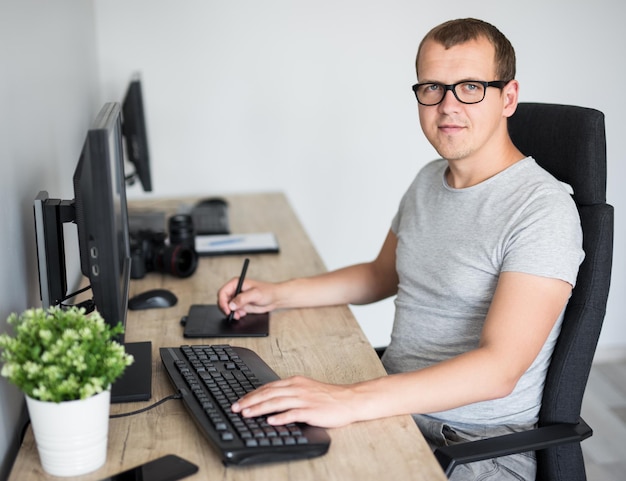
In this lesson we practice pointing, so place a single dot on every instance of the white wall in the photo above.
(313, 98)
(48, 97)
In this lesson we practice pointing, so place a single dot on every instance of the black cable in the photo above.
(178, 395)
(89, 305)
(73, 294)
(131, 178)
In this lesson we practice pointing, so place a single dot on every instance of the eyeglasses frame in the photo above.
(494, 83)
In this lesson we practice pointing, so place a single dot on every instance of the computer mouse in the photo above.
(152, 299)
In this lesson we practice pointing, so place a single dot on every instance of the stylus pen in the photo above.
(239, 285)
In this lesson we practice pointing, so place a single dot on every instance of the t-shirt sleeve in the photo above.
(547, 240)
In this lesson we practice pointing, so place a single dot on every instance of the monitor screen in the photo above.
(136, 134)
(101, 215)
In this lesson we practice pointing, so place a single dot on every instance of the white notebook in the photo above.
(253, 243)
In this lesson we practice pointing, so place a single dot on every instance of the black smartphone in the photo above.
(165, 468)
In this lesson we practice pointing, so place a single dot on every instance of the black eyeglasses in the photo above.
(466, 92)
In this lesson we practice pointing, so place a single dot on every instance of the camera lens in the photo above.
(178, 260)
(181, 230)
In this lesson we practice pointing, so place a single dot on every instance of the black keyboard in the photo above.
(211, 379)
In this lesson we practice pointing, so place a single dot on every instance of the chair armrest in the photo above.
(450, 457)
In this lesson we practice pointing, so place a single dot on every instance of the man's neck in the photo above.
(465, 173)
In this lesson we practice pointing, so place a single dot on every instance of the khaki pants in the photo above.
(516, 467)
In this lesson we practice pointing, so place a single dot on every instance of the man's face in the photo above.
(460, 131)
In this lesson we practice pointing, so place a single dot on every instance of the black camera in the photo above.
(150, 251)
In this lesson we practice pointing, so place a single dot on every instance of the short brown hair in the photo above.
(460, 31)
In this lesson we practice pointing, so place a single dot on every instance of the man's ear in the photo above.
(510, 95)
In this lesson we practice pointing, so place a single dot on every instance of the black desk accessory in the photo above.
(210, 216)
(207, 320)
(210, 321)
(152, 299)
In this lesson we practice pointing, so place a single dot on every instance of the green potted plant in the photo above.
(65, 360)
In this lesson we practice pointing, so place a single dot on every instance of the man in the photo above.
(482, 256)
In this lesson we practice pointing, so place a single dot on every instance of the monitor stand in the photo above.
(136, 382)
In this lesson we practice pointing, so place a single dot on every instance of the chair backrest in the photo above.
(569, 142)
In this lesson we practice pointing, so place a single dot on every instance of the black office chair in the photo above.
(569, 142)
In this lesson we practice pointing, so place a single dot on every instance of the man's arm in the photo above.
(357, 284)
(521, 316)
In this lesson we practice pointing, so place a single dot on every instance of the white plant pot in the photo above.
(71, 436)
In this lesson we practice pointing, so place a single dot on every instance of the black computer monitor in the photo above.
(101, 215)
(136, 134)
(50, 215)
(100, 212)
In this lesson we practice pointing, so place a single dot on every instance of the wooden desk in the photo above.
(324, 343)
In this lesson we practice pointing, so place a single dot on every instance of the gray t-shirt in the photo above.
(452, 246)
